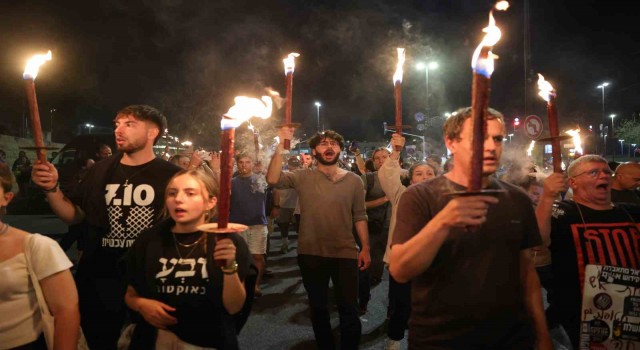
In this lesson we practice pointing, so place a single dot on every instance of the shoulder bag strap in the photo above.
(42, 303)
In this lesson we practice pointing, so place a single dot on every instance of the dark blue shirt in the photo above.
(248, 200)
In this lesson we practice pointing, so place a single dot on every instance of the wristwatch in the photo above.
(53, 189)
(230, 269)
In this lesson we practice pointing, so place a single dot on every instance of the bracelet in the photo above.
(230, 269)
(51, 190)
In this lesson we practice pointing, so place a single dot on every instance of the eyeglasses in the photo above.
(593, 173)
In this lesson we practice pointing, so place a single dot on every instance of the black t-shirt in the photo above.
(186, 282)
(624, 196)
(471, 297)
(134, 196)
(605, 237)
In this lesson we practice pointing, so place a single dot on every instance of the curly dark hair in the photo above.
(328, 134)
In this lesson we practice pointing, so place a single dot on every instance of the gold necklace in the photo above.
(194, 245)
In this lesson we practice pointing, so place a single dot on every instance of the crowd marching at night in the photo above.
(174, 249)
(466, 270)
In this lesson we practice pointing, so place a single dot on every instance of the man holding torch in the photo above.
(474, 285)
(332, 200)
(118, 198)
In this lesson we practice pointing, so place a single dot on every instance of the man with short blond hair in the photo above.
(247, 207)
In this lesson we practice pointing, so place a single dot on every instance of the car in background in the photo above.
(70, 161)
(72, 158)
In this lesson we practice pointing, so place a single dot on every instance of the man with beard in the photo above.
(331, 201)
(118, 198)
(588, 229)
(473, 283)
(247, 207)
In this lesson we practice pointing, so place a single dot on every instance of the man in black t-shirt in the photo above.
(625, 182)
(473, 283)
(118, 198)
(589, 229)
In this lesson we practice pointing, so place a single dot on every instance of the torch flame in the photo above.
(530, 149)
(245, 108)
(33, 65)
(577, 141)
(484, 65)
(289, 63)
(502, 5)
(397, 76)
(546, 89)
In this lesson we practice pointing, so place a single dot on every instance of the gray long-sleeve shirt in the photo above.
(328, 211)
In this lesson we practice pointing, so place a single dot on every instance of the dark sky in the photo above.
(189, 58)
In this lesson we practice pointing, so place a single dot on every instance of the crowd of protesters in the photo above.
(466, 270)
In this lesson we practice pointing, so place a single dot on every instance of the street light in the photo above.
(510, 136)
(318, 107)
(612, 135)
(427, 67)
(89, 126)
(602, 86)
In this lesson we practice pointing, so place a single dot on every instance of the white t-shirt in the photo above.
(19, 312)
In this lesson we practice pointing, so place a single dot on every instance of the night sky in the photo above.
(189, 58)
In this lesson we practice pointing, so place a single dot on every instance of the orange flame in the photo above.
(397, 76)
(546, 89)
(33, 65)
(577, 141)
(483, 65)
(502, 5)
(245, 108)
(530, 149)
(289, 63)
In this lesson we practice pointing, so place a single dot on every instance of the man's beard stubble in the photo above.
(324, 162)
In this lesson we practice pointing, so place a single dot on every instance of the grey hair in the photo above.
(589, 158)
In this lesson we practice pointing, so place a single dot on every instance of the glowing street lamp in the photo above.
(427, 67)
(510, 136)
(612, 135)
(318, 108)
(602, 86)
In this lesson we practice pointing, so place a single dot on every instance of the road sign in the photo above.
(533, 127)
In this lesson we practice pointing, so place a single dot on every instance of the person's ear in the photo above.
(152, 133)
(211, 203)
(8, 197)
(451, 145)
